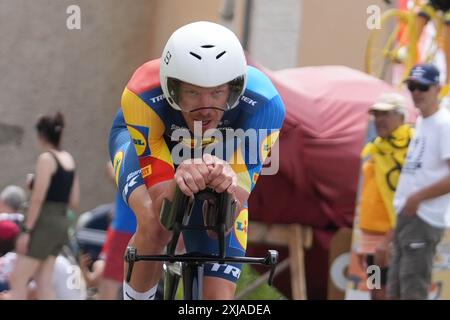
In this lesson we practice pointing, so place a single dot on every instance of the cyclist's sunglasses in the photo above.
(415, 85)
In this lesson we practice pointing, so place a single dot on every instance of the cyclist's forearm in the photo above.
(161, 191)
(144, 201)
(241, 195)
(140, 202)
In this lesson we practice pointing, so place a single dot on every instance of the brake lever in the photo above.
(272, 260)
(130, 257)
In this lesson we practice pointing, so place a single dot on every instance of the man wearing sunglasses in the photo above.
(422, 195)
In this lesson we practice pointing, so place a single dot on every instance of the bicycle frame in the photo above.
(175, 216)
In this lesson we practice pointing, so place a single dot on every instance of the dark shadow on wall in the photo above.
(10, 134)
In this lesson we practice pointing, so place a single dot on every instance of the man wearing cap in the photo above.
(422, 194)
(384, 158)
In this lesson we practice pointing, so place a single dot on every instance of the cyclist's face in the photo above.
(205, 105)
(386, 122)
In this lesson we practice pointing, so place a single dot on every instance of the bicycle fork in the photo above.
(193, 281)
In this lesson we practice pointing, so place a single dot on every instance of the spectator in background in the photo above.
(8, 234)
(104, 270)
(120, 232)
(54, 189)
(423, 192)
(90, 237)
(384, 158)
(12, 202)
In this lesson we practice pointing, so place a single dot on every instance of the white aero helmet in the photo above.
(204, 54)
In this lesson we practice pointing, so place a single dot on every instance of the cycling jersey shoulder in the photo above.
(147, 117)
(260, 102)
(144, 95)
(145, 78)
(259, 85)
(139, 111)
(259, 94)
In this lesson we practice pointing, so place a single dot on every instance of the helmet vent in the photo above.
(196, 55)
(207, 46)
(220, 54)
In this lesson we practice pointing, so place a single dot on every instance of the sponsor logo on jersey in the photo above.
(249, 101)
(157, 98)
(226, 269)
(241, 230)
(139, 138)
(131, 182)
(117, 164)
(146, 171)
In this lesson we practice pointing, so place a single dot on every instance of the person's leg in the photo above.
(393, 277)
(422, 21)
(381, 259)
(112, 276)
(415, 273)
(150, 236)
(419, 245)
(218, 289)
(108, 289)
(393, 274)
(24, 269)
(144, 280)
(381, 293)
(219, 279)
(44, 280)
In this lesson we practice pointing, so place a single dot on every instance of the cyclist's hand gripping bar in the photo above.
(219, 215)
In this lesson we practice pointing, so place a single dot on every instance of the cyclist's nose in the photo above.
(204, 111)
(206, 101)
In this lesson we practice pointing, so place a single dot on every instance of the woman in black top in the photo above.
(44, 232)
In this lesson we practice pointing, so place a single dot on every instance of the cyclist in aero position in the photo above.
(201, 85)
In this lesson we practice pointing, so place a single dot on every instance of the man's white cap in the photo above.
(391, 102)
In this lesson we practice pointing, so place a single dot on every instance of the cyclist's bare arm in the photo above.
(146, 202)
(150, 237)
